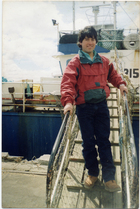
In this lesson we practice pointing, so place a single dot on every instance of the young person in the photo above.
(85, 83)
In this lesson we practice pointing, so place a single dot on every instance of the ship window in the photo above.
(67, 61)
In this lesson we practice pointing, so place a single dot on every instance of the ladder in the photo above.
(74, 194)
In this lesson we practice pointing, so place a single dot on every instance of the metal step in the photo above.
(114, 116)
(113, 92)
(112, 100)
(79, 186)
(113, 107)
(79, 141)
(114, 129)
(81, 160)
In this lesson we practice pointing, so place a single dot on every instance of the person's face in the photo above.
(88, 44)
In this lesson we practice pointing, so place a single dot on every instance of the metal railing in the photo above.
(51, 161)
(130, 174)
(59, 159)
(15, 94)
(129, 159)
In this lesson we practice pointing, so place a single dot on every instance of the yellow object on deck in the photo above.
(36, 88)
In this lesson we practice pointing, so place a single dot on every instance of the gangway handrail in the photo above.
(57, 141)
(131, 200)
(130, 169)
(132, 193)
(52, 157)
(59, 158)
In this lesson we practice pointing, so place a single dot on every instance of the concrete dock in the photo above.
(23, 184)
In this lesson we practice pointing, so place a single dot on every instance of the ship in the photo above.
(33, 115)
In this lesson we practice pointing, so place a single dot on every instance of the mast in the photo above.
(95, 10)
(73, 16)
(115, 20)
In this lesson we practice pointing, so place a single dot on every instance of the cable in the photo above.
(128, 15)
(107, 15)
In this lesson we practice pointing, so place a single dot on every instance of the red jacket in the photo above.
(87, 81)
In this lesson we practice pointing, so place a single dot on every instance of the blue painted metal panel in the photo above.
(73, 49)
(29, 134)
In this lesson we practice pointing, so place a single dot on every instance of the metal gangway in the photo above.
(66, 169)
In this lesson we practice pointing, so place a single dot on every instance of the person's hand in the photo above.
(68, 107)
(123, 88)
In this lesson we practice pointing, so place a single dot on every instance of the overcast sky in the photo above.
(29, 39)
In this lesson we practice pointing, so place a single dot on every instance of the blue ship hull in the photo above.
(33, 134)
(29, 134)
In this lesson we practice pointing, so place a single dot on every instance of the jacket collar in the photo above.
(85, 60)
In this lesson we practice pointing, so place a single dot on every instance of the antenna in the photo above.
(99, 5)
(95, 10)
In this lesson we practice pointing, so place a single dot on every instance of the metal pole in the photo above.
(128, 202)
(58, 33)
(57, 141)
(115, 21)
(51, 160)
(96, 18)
(59, 172)
(73, 16)
(23, 97)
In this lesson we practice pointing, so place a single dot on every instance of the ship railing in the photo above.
(122, 32)
(59, 159)
(64, 32)
(21, 94)
(129, 161)
(77, 31)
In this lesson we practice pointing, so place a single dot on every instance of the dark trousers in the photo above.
(94, 121)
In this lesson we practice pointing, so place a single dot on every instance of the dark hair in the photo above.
(88, 31)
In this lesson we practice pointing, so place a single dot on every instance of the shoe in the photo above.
(90, 181)
(111, 186)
